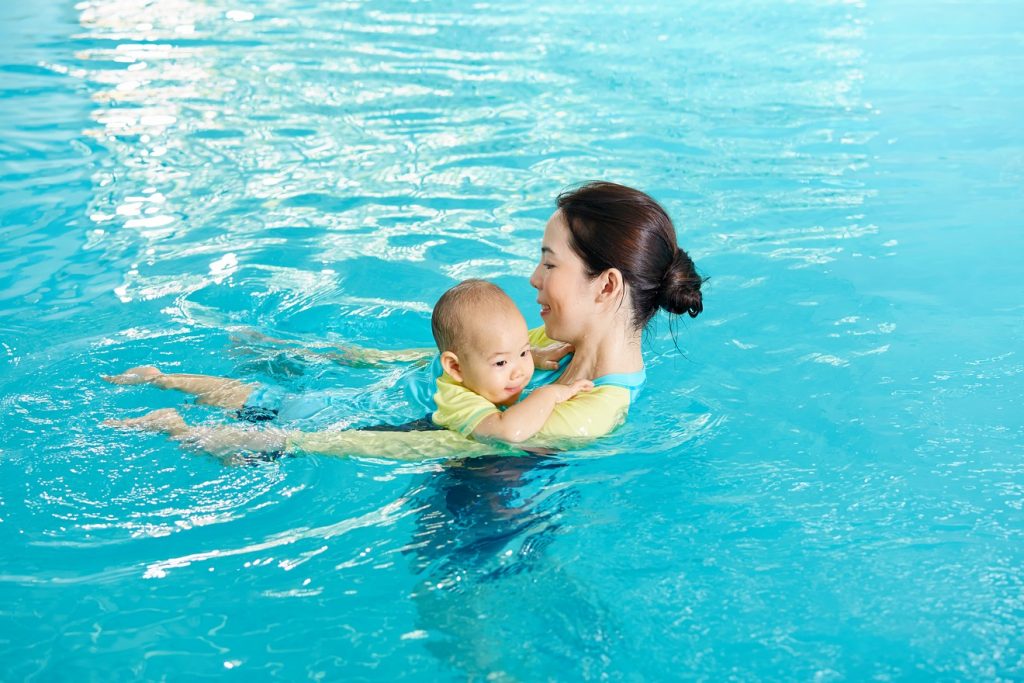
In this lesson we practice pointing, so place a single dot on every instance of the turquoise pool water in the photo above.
(826, 484)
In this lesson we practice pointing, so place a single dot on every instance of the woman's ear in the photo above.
(611, 286)
(450, 363)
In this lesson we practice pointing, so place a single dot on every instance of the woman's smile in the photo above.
(561, 283)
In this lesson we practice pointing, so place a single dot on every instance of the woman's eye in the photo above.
(547, 266)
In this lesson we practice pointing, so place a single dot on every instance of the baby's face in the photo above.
(496, 361)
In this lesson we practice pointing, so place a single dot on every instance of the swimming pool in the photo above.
(825, 484)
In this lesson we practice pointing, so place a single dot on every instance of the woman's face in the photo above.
(566, 295)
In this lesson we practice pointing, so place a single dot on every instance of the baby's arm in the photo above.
(523, 420)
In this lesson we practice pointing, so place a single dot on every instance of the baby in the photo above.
(485, 354)
(485, 363)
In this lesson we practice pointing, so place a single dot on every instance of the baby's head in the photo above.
(483, 341)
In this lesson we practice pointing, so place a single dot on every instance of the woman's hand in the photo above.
(247, 340)
(547, 357)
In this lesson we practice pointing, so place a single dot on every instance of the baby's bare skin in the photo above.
(165, 421)
(221, 441)
(221, 392)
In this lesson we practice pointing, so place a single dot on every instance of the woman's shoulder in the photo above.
(628, 380)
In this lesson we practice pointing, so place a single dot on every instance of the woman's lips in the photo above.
(544, 310)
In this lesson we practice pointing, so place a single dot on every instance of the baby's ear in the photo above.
(450, 363)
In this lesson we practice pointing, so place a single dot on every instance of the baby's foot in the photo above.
(166, 420)
(144, 374)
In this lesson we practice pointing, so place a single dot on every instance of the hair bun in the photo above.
(680, 287)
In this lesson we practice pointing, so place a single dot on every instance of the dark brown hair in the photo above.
(448, 320)
(614, 226)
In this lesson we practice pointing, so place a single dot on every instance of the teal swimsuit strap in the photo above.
(634, 381)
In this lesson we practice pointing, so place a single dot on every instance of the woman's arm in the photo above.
(345, 354)
(405, 446)
(225, 441)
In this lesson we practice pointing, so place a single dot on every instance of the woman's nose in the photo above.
(535, 278)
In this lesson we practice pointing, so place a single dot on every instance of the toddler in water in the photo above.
(485, 356)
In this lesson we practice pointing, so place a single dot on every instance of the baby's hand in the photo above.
(563, 392)
(547, 357)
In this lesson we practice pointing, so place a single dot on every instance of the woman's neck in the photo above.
(612, 350)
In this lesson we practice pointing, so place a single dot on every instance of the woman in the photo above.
(609, 261)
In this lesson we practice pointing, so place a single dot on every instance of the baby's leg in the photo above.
(215, 440)
(222, 392)
(166, 420)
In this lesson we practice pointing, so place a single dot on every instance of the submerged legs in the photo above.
(222, 392)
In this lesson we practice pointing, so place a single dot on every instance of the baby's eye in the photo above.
(523, 354)
(500, 363)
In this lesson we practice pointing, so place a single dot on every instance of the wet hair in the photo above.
(448, 321)
(614, 226)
